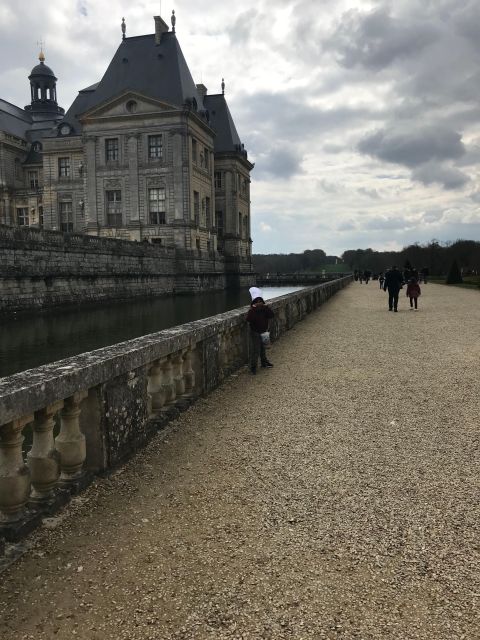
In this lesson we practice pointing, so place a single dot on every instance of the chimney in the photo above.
(202, 91)
(160, 27)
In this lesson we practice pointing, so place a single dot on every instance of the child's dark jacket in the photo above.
(258, 317)
(413, 290)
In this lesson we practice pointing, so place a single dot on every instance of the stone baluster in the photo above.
(177, 361)
(70, 442)
(43, 459)
(168, 381)
(14, 473)
(155, 388)
(188, 372)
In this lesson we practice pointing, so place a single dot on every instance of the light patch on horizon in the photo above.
(363, 118)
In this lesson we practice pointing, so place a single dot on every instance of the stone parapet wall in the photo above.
(41, 269)
(110, 401)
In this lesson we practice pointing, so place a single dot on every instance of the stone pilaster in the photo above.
(92, 221)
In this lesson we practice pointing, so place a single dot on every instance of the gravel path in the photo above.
(334, 496)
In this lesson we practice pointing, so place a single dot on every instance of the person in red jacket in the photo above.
(258, 317)
(413, 292)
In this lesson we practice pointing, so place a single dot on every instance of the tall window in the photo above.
(64, 167)
(114, 208)
(66, 216)
(40, 216)
(245, 227)
(206, 155)
(155, 147)
(218, 179)
(219, 221)
(194, 150)
(208, 214)
(239, 224)
(196, 208)
(156, 205)
(111, 149)
(33, 178)
(22, 217)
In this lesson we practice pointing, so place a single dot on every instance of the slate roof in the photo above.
(159, 71)
(14, 120)
(221, 121)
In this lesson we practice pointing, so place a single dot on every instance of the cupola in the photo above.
(43, 87)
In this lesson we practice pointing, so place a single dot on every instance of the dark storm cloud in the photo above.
(448, 177)
(288, 115)
(413, 147)
(278, 162)
(374, 40)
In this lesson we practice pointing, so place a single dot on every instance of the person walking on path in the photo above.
(393, 282)
(413, 292)
(258, 317)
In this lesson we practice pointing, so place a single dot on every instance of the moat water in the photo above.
(29, 341)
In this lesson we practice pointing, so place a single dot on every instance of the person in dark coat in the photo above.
(258, 317)
(413, 291)
(393, 282)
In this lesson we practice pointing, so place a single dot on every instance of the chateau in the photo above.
(145, 155)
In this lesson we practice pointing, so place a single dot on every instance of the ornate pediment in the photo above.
(129, 104)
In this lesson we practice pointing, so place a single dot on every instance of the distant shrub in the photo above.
(454, 275)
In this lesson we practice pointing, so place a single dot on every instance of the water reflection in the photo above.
(29, 341)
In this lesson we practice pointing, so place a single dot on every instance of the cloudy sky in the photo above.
(362, 117)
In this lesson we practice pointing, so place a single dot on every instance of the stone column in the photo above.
(155, 388)
(188, 372)
(177, 361)
(14, 473)
(43, 459)
(133, 186)
(168, 381)
(70, 442)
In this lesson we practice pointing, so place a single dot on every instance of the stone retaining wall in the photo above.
(105, 404)
(40, 269)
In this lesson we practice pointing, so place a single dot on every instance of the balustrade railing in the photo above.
(110, 401)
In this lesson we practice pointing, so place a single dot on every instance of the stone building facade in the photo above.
(143, 155)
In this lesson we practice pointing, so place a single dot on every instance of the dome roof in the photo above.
(42, 70)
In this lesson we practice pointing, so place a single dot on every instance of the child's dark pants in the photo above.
(412, 300)
(257, 349)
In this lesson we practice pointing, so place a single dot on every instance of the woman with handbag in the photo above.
(258, 317)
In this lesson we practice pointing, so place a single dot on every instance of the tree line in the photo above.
(435, 256)
(309, 260)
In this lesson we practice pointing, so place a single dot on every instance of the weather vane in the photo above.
(41, 44)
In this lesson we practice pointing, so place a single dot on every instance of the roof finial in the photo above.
(174, 20)
(124, 28)
(41, 55)
(223, 86)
